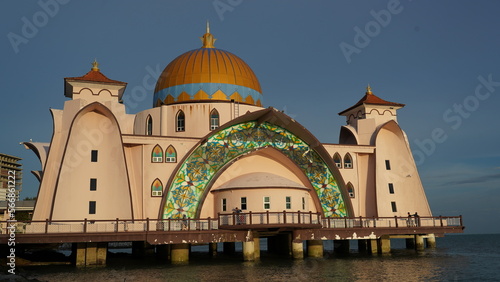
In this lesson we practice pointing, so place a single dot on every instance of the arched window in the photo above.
(149, 125)
(214, 119)
(170, 155)
(157, 154)
(350, 190)
(347, 161)
(181, 121)
(156, 188)
(337, 160)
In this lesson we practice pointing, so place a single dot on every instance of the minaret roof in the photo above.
(95, 75)
(371, 99)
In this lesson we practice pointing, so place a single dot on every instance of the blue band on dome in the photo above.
(209, 88)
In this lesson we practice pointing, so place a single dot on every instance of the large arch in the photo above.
(189, 183)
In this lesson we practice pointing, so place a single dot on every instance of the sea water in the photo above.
(456, 258)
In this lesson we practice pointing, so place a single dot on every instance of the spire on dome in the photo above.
(95, 65)
(208, 39)
(369, 90)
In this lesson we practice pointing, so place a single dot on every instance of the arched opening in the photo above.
(149, 125)
(180, 121)
(170, 155)
(350, 190)
(157, 154)
(347, 161)
(214, 119)
(157, 188)
(337, 159)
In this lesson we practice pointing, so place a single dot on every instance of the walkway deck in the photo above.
(224, 228)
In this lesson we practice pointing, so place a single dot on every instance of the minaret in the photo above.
(368, 114)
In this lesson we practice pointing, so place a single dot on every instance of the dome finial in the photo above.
(369, 89)
(95, 65)
(208, 39)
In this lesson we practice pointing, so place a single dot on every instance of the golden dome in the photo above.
(207, 73)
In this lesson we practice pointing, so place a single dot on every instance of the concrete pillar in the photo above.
(373, 246)
(90, 254)
(384, 245)
(102, 251)
(315, 248)
(298, 250)
(431, 241)
(256, 243)
(179, 253)
(362, 246)
(229, 247)
(341, 246)
(410, 243)
(79, 253)
(419, 242)
(248, 251)
(212, 249)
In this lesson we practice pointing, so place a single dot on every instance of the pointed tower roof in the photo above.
(371, 99)
(95, 75)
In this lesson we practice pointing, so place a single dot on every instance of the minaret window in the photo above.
(391, 188)
(170, 155)
(149, 126)
(347, 161)
(214, 119)
(93, 156)
(181, 121)
(387, 165)
(337, 160)
(156, 188)
(393, 206)
(350, 190)
(93, 184)
(92, 207)
(157, 154)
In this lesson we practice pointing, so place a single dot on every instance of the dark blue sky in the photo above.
(313, 59)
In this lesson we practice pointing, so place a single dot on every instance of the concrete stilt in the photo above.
(212, 249)
(341, 246)
(362, 246)
(431, 241)
(410, 243)
(229, 247)
(298, 250)
(384, 245)
(90, 254)
(419, 242)
(373, 246)
(248, 251)
(256, 243)
(315, 248)
(179, 253)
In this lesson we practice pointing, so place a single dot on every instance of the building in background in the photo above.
(10, 166)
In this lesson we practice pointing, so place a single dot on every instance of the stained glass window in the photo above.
(170, 155)
(156, 188)
(157, 154)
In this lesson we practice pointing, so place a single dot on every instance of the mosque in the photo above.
(208, 145)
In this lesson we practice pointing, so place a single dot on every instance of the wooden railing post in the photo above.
(361, 221)
(461, 223)
(310, 217)
(284, 217)
(250, 215)
(168, 224)
(116, 227)
(345, 222)
(267, 217)
(441, 221)
(299, 215)
(46, 225)
(85, 225)
(209, 223)
(218, 219)
(147, 224)
(396, 219)
(374, 222)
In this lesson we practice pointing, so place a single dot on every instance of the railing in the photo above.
(269, 218)
(222, 221)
